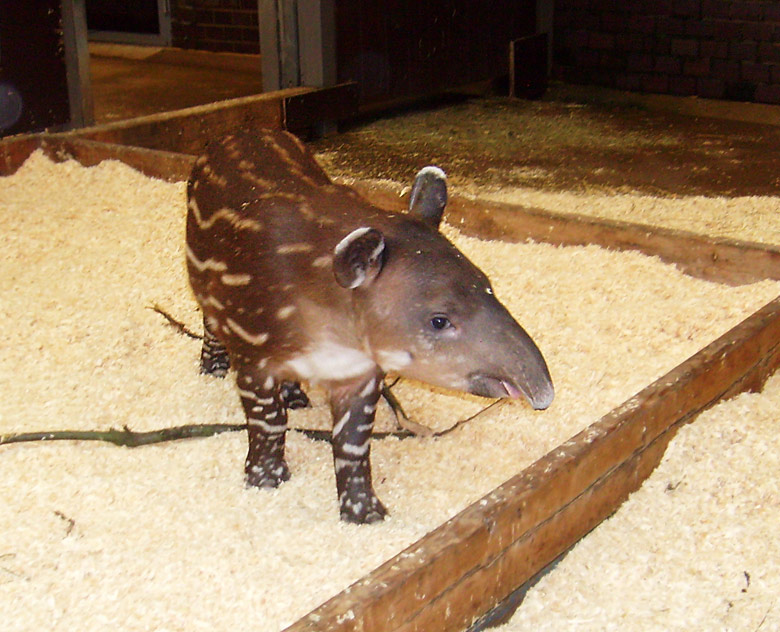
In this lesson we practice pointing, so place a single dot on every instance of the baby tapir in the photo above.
(300, 279)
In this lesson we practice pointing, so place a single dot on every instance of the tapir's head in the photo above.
(428, 313)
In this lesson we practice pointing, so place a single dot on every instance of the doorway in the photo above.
(130, 22)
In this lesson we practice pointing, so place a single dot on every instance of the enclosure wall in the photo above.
(723, 49)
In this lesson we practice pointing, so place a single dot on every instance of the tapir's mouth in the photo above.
(498, 387)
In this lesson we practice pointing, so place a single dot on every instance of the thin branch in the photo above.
(177, 325)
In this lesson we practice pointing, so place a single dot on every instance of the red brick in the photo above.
(746, 10)
(641, 62)
(682, 85)
(612, 61)
(613, 22)
(727, 70)
(743, 50)
(700, 29)
(716, 8)
(710, 88)
(772, 11)
(668, 65)
(712, 48)
(767, 93)
(629, 42)
(601, 41)
(655, 83)
(755, 73)
(685, 47)
(769, 51)
(669, 25)
(774, 73)
(686, 8)
(726, 29)
(758, 31)
(697, 67)
(641, 24)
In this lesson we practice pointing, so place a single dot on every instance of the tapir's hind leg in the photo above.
(266, 419)
(214, 358)
(353, 407)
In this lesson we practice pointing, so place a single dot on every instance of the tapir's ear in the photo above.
(357, 258)
(429, 195)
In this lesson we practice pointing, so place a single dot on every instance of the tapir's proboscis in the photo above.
(303, 280)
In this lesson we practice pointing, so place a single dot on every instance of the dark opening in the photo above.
(130, 16)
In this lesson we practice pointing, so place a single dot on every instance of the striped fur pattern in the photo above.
(302, 280)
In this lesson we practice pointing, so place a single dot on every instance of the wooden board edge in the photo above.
(188, 130)
(311, 109)
(433, 580)
(15, 150)
(155, 163)
(728, 261)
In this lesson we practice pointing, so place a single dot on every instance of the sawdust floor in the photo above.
(574, 140)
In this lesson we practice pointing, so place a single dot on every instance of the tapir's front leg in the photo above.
(353, 405)
(266, 418)
(214, 358)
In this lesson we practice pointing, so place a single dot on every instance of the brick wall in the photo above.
(724, 49)
(216, 25)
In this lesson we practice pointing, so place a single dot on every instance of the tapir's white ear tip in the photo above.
(357, 258)
(432, 170)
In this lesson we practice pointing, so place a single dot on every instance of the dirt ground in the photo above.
(571, 140)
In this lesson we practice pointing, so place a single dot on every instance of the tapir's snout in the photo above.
(513, 367)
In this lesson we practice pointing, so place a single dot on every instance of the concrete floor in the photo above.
(131, 81)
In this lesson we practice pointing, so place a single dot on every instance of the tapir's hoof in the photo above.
(267, 476)
(363, 510)
(216, 365)
(293, 396)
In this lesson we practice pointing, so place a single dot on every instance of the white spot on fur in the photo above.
(356, 450)
(289, 249)
(330, 361)
(322, 262)
(269, 383)
(208, 264)
(266, 427)
(210, 300)
(253, 339)
(368, 388)
(393, 360)
(340, 424)
(236, 279)
(285, 312)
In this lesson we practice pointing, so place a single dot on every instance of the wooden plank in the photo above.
(14, 151)
(188, 130)
(306, 110)
(165, 165)
(170, 166)
(722, 260)
(469, 564)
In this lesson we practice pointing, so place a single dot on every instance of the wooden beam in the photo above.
(722, 260)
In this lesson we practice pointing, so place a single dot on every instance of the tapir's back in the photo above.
(263, 219)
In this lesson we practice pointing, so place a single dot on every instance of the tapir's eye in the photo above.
(440, 322)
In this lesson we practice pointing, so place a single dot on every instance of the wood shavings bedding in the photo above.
(695, 548)
(96, 537)
(747, 218)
